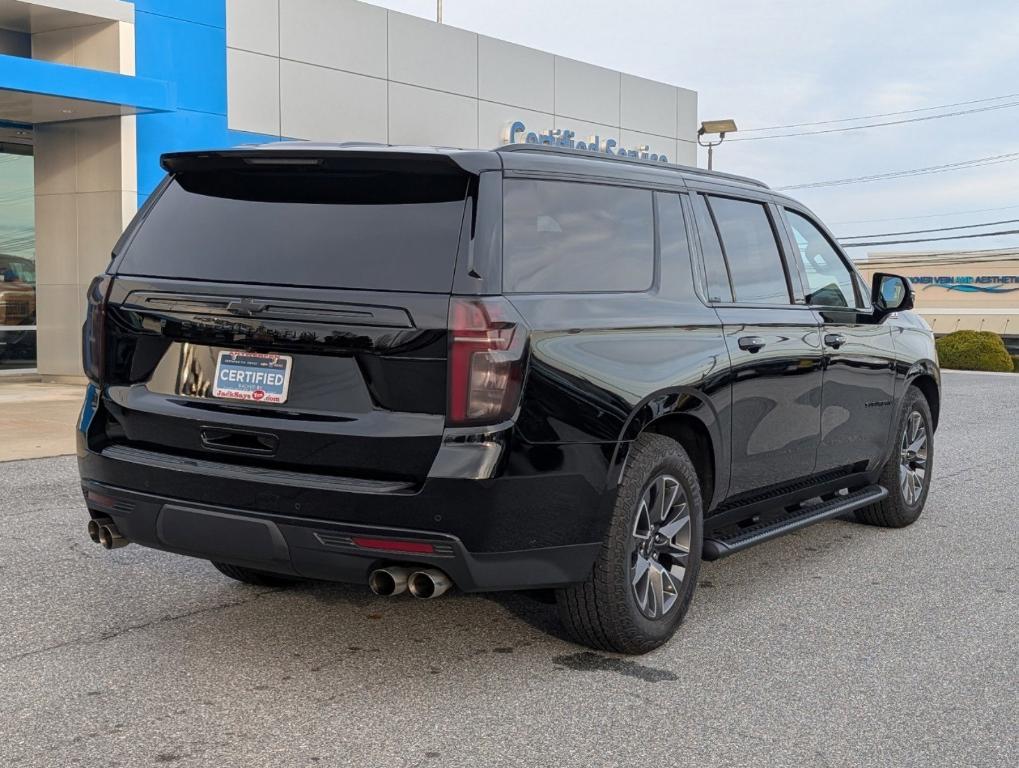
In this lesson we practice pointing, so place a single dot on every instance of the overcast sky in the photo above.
(776, 62)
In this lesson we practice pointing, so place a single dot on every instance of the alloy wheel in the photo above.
(913, 458)
(661, 546)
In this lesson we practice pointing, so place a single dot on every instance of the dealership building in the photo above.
(93, 91)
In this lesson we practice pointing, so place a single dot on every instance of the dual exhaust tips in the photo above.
(102, 530)
(425, 583)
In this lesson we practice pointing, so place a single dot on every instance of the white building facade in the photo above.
(93, 91)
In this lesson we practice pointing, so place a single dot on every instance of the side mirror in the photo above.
(890, 293)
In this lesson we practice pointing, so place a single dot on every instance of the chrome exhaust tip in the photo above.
(429, 583)
(95, 529)
(389, 581)
(110, 537)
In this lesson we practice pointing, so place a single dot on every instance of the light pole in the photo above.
(438, 11)
(712, 127)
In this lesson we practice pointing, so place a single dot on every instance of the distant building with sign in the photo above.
(93, 91)
(977, 291)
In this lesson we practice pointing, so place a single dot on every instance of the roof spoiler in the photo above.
(329, 157)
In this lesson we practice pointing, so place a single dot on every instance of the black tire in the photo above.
(895, 510)
(603, 612)
(253, 577)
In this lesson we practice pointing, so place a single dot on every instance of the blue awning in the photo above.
(34, 91)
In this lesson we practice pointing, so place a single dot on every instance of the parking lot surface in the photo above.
(839, 645)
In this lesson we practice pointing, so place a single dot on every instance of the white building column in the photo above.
(85, 193)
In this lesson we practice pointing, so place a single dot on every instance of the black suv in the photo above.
(525, 368)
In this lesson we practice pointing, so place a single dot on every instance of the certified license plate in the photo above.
(252, 376)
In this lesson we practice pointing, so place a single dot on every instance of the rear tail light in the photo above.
(488, 341)
(93, 332)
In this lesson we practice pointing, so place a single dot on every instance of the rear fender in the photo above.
(662, 405)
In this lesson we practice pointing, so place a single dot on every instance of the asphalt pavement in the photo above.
(840, 645)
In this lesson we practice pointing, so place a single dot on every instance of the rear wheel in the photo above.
(256, 578)
(907, 474)
(644, 578)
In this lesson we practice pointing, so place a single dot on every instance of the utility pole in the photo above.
(438, 11)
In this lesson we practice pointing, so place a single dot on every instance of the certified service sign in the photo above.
(518, 133)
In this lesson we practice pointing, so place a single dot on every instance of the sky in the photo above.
(778, 62)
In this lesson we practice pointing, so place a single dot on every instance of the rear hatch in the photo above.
(288, 312)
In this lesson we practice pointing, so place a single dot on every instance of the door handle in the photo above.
(834, 340)
(751, 343)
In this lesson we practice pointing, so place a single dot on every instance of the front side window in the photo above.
(751, 251)
(830, 281)
(561, 237)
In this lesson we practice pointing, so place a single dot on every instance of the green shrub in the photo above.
(974, 351)
(1015, 363)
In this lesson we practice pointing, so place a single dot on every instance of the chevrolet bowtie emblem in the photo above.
(246, 307)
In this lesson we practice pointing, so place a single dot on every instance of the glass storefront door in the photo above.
(17, 252)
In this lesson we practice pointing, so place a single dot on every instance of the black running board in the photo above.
(717, 547)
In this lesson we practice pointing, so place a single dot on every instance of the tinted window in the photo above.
(717, 276)
(677, 278)
(751, 251)
(562, 237)
(829, 279)
(370, 229)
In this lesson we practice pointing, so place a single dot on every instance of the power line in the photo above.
(928, 239)
(880, 114)
(880, 125)
(954, 257)
(925, 216)
(961, 165)
(937, 229)
(889, 260)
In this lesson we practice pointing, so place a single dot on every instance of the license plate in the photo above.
(252, 376)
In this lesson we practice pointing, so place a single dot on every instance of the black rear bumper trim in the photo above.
(323, 549)
(253, 474)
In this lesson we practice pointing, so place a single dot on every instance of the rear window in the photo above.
(561, 237)
(369, 229)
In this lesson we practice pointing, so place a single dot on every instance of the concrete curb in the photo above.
(978, 373)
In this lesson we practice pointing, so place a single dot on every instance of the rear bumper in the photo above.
(321, 549)
(537, 522)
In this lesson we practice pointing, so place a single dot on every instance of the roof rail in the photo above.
(572, 152)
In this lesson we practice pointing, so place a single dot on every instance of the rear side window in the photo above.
(362, 229)
(751, 251)
(719, 288)
(561, 237)
(674, 248)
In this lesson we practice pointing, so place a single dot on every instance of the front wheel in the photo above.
(907, 475)
(644, 577)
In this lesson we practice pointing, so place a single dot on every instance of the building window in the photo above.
(17, 255)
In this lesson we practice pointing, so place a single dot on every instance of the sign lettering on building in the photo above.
(969, 283)
(518, 133)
